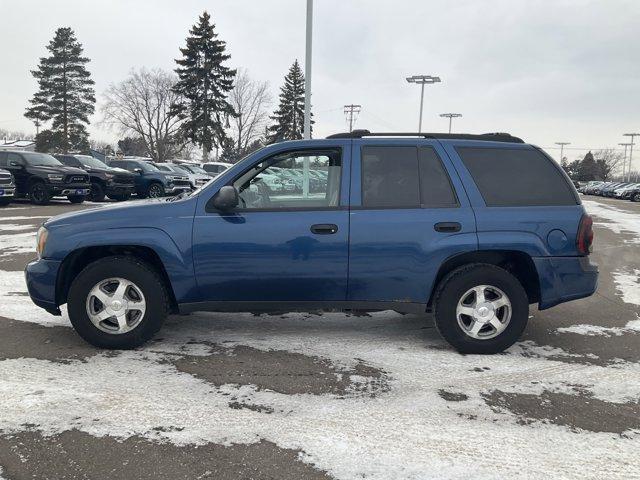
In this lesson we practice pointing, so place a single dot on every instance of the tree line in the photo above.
(202, 104)
(600, 165)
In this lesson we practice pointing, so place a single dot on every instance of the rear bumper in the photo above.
(563, 279)
(41, 276)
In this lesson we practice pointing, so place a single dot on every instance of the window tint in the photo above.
(516, 177)
(435, 186)
(292, 180)
(390, 177)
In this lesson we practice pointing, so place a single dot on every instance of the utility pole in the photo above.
(633, 136)
(562, 144)
(422, 80)
(351, 111)
(307, 72)
(624, 161)
(450, 116)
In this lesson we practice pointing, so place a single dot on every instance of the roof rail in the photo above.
(489, 137)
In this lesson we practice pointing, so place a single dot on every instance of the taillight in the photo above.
(584, 240)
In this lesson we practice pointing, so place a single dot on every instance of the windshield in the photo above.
(40, 159)
(147, 167)
(89, 161)
(195, 169)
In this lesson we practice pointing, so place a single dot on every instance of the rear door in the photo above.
(409, 213)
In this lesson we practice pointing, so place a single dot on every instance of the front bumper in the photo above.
(563, 279)
(7, 191)
(176, 189)
(41, 277)
(63, 190)
(120, 189)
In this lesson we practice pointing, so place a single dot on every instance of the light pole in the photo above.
(562, 144)
(633, 136)
(351, 111)
(624, 161)
(422, 80)
(450, 116)
(307, 72)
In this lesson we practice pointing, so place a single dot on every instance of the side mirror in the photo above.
(226, 198)
(138, 171)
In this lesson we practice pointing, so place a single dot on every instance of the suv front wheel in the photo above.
(39, 194)
(117, 302)
(481, 308)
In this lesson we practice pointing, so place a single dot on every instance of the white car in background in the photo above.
(196, 180)
(215, 168)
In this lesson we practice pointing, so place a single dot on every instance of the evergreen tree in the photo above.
(588, 169)
(289, 117)
(65, 94)
(203, 85)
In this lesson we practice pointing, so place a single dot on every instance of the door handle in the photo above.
(447, 227)
(324, 228)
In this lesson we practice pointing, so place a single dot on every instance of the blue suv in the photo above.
(150, 181)
(472, 228)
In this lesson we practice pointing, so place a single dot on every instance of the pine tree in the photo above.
(204, 82)
(289, 117)
(65, 94)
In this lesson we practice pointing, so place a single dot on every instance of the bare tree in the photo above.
(608, 162)
(250, 100)
(140, 106)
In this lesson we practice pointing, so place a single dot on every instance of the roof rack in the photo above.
(489, 137)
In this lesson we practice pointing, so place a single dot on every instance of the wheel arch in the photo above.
(516, 262)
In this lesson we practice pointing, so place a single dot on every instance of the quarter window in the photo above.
(309, 179)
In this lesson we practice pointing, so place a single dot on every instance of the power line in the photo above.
(352, 111)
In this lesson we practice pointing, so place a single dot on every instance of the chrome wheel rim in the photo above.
(154, 191)
(116, 305)
(483, 312)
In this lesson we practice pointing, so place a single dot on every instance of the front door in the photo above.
(287, 241)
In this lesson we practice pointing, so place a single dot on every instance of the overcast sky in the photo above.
(556, 70)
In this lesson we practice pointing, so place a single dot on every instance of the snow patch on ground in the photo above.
(628, 285)
(14, 227)
(17, 243)
(595, 330)
(615, 219)
(15, 219)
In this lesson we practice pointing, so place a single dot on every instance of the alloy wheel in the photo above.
(483, 312)
(116, 305)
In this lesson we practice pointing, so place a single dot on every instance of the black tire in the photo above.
(155, 190)
(120, 198)
(39, 194)
(635, 197)
(143, 276)
(4, 202)
(97, 192)
(76, 199)
(452, 289)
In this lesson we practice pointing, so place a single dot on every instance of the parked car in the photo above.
(609, 189)
(633, 194)
(624, 192)
(590, 187)
(106, 181)
(196, 180)
(40, 177)
(7, 187)
(598, 190)
(149, 181)
(215, 168)
(473, 228)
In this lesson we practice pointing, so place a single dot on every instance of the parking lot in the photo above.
(324, 395)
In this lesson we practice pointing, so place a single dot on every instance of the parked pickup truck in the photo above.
(472, 228)
(7, 187)
(40, 177)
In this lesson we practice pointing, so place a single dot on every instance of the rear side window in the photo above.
(404, 177)
(516, 177)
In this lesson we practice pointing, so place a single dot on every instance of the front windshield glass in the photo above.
(40, 159)
(89, 161)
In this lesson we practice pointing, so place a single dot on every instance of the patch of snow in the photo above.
(17, 243)
(615, 219)
(14, 219)
(14, 227)
(628, 285)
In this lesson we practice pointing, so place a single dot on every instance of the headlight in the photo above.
(53, 177)
(41, 240)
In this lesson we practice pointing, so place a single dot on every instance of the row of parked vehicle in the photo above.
(39, 177)
(622, 190)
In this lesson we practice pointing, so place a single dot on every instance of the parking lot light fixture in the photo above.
(633, 136)
(624, 160)
(450, 116)
(422, 80)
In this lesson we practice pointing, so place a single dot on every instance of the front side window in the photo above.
(309, 179)
(40, 159)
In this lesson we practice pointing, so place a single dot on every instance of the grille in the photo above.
(125, 179)
(5, 179)
(77, 179)
(182, 183)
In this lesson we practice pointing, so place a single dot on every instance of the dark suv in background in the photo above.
(39, 177)
(116, 184)
(7, 187)
(150, 181)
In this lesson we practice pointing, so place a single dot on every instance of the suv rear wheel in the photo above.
(481, 308)
(39, 194)
(117, 302)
